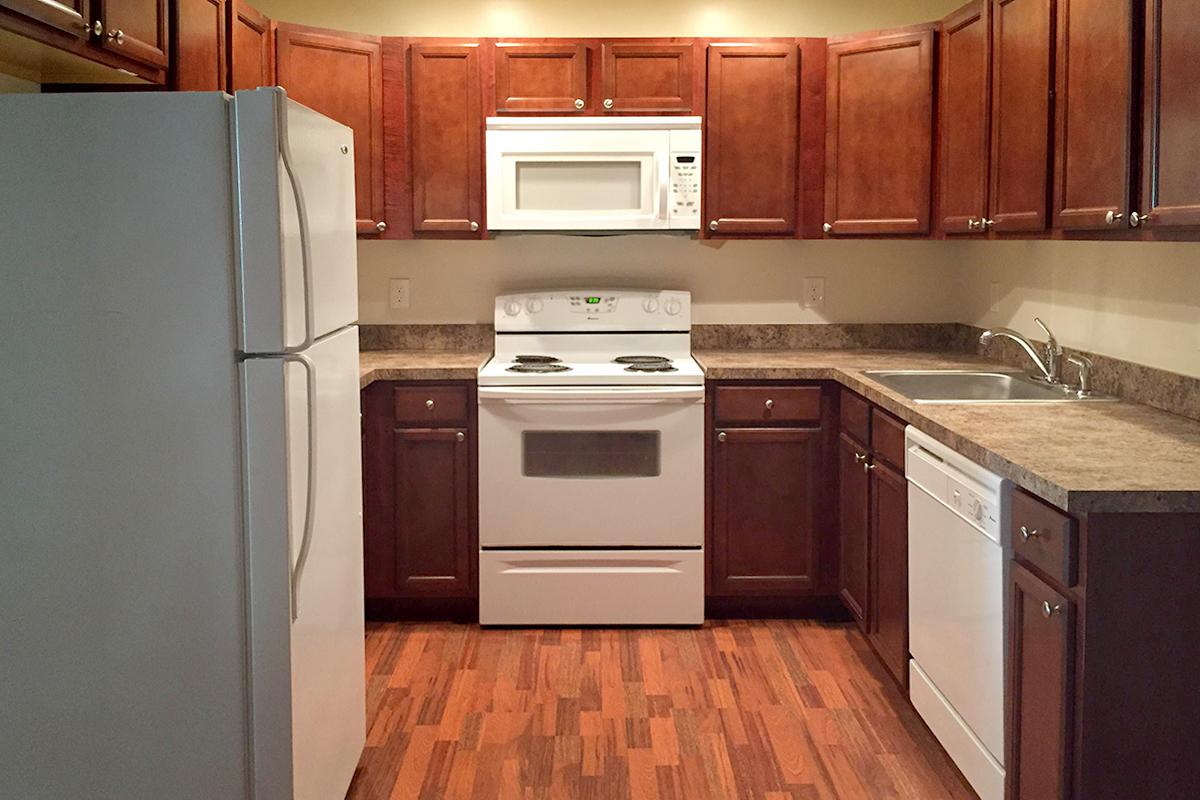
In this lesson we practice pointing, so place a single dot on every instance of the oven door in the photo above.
(591, 467)
(577, 180)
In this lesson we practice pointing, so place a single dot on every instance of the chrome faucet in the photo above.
(1049, 363)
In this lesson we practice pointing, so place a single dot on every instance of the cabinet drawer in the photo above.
(887, 438)
(1044, 537)
(856, 416)
(750, 404)
(430, 406)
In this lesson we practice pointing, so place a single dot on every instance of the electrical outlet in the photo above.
(994, 302)
(398, 293)
(814, 292)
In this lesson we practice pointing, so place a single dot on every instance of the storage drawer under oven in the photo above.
(591, 587)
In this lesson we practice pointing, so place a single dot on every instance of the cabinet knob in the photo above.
(117, 36)
(1029, 533)
(460, 437)
(986, 224)
(579, 102)
(868, 467)
(608, 103)
(1048, 610)
(827, 228)
(93, 28)
(860, 458)
(381, 226)
(974, 224)
(1137, 219)
(712, 226)
(1112, 218)
(721, 436)
(769, 404)
(429, 404)
(474, 225)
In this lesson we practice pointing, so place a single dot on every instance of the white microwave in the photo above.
(593, 173)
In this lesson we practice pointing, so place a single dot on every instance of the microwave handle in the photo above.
(664, 182)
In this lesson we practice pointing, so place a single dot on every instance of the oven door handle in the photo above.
(614, 395)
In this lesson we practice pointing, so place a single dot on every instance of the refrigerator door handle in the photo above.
(310, 500)
(285, 155)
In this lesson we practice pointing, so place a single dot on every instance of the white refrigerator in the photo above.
(181, 601)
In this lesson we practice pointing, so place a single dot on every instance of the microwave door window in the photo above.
(579, 185)
(591, 454)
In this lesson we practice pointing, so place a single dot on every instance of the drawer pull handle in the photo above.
(1048, 610)
(1027, 534)
(721, 436)
(460, 437)
(769, 404)
(429, 404)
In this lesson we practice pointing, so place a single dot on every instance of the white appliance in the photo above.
(181, 558)
(591, 462)
(593, 173)
(957, 515)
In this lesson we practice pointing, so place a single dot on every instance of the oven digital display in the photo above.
(592, 301)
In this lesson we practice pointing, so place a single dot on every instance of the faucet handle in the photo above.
(1051, 342)
(1084, 365)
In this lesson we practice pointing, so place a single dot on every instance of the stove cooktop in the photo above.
(546, 370)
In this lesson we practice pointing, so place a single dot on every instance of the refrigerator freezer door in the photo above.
(309, 730)
(297, 256)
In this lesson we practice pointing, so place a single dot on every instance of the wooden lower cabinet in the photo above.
(854, 513)
(889, 569)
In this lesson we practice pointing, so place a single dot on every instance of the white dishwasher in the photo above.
(957, 514)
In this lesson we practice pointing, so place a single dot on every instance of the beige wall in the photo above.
(758, 281)
(1132, 300)
(607, 17)
(10, 84)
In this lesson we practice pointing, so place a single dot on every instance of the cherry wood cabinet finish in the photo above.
(1094, 113)
(445, 136)
(887, 437)
(964, 106)
(750, 166)
(72, 17)
(649, 78)
(198, 59)
(1022, 59)
(544, 78)
(889, 573)
(879, 134)
(1040, 690)
(431, 406)
(136, 29)
(1171, 109)
(251, 47)
(764, 506)
(854, 528)
(855, 417)
(340, 75)
(1045, 538)
(768, 404)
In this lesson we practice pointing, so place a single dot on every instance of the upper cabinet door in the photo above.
(446, 143)
(1094, 114)
(879, 134)
(541, 78)
(646, 78)
(750, 139)
(70, 16)
(964, 103)
(198, 33)
(1171, 172)
(250, 47)
(136, 29)
(1022, 47)
(340, 75)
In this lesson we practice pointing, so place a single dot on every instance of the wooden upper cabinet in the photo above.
(964, 102)
(646, 78)
(340, 75)
(69, 16)
(879, 134)
(445, 139)
(251, 51)
(198, 38)
(136, 29)
(541, 78)
(1022, 51)
(750, 167)
(1171, 96)
(1094, 113)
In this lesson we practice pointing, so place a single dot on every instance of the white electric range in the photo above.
(591, 462)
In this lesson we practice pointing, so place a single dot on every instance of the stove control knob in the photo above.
(534, 305)
(650, 304)
(673, 307)
(512, 308)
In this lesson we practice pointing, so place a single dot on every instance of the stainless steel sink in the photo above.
(955, 386)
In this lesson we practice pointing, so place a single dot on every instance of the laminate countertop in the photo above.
(419, 365)
(1088, 457)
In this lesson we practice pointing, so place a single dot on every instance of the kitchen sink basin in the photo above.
(955, 386)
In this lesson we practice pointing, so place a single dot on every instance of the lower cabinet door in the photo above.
(764, 511)
(889, 546)
(854, 489)
(434, 553)
(1040, 687)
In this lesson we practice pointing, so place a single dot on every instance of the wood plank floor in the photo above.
(771, 709)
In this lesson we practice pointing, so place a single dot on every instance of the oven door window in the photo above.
(591, 454)
(579, 185)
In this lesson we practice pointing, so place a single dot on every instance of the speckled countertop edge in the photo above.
(419, 365)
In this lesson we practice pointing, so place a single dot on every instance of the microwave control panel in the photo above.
(684, 200)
